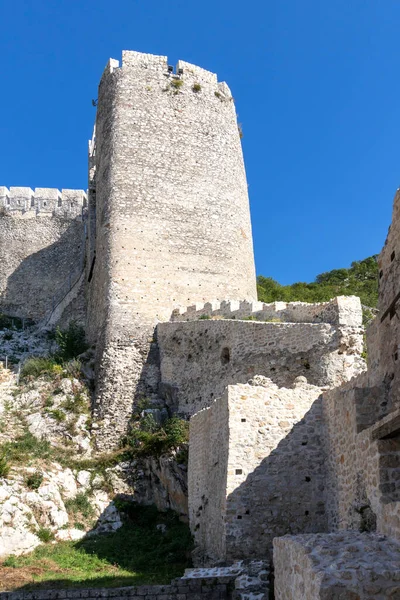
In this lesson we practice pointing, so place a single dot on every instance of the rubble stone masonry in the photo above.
(172, 217)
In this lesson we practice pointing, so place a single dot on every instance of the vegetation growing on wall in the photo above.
(361, 279)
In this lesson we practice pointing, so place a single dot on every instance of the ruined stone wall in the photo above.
(266, 443)
(41, 249)
(345, 566)
(172, 216)
(200, 358)
(207, 479)
(363, 451)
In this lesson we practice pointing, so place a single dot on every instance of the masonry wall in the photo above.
(207, 479)
(207, 589)
(363, 452)
(266, 443)
(40, 256)
(172, 216)
(341, 566)
(200, 358)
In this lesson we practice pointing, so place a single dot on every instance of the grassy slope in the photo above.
(361, 279)
(138, 553)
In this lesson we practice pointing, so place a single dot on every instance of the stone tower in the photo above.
(169, 217)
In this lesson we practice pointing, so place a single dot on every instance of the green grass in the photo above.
(80, 504)
(136, 554)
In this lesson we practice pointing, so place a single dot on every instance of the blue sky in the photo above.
(316, 85)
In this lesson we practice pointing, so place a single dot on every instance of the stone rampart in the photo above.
(41, 259)
(25, 203)
(256, 469)
(343, 310)
(341, 566)
(199, 359)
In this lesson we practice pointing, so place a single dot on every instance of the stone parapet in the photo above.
(25, 202)
(199, 359)
(336, 566)
(343, 310)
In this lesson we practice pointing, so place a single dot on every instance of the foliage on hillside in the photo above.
(361, 279)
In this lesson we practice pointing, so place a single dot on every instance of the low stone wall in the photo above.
(199, 359)
(207, 589)
(256, 470)
(239, 581)
(336, 566)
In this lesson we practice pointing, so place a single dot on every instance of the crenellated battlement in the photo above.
(42, 202)
(156, 67)
(343, 310)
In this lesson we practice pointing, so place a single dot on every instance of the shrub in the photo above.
(177, 83)
(71, 341)
(34, 367)
(217, 95)
(4, 466)
(34, 480)
(11, 561)
(73, 368)
(163, 440)
(45, 535)
(240, 129)
(80, 505)
(204, 317)
(196, 87)
(57, 415)
(77, 404)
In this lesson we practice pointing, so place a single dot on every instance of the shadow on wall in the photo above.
(43, 278)
(284, 494)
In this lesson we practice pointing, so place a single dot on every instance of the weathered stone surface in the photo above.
(256, 470)
(335, 566)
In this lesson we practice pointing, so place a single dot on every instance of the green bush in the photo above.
(77, 404)
(45, 535)
(11, 561)
(71, 341)
(4, 466)
(37, 366)
(57, 414)
(196, 87)
(34, 480)
(80, 505)
(162, 440)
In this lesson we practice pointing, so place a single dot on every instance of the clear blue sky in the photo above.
(316, 84)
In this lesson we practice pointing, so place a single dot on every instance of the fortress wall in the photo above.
(207, 478)
(172, 214)
(37, 256)
(363, 450)
(199, 359)
(25, 203)
(343, 310)
(274, 470)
